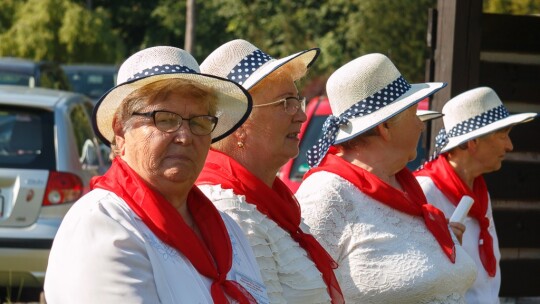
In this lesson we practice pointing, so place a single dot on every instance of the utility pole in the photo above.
(190, 25)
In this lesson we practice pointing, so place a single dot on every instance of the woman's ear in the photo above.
(384, 130)
(119, 145)
(119, 140)
(240, 134)
(472, 144)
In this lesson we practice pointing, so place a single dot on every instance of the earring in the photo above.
(240, 144)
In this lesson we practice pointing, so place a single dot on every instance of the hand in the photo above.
(458, 229)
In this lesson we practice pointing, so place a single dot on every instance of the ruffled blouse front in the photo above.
(289, 274)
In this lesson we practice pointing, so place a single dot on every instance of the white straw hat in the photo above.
(362, 94)
(475, 113)
(164, 62)
(245, 64)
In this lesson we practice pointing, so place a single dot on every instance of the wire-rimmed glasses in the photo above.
(291, 105)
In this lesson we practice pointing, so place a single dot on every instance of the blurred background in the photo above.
(107, 32)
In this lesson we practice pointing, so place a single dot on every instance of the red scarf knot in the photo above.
(277, 203)
(484, 223)
(450, 184)
(411, 201)
(211, 255)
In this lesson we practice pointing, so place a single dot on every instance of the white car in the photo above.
(48, 154)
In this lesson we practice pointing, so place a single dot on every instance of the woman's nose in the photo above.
(509, 146)
(183, 135)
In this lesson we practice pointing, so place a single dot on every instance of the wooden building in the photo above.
(469, 49)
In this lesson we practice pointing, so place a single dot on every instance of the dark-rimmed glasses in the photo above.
(291, 105)
(169, 122)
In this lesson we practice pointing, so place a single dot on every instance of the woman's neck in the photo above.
(464, 168)
(263, 169)
(375, 163)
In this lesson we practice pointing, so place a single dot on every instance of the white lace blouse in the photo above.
(289, 274)
(485, 288)
(384, 255)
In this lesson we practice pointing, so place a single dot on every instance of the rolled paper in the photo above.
(462, 209)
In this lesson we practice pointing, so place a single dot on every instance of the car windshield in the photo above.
(13, 78)
(26, 139)
(91, 83)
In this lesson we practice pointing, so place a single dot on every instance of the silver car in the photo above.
(48, 154)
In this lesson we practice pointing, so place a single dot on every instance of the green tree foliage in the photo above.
(109, 31)
(514, 7)
(343, 29)
(133, 19)
(62, 31)
(169, 19)
(7, 13)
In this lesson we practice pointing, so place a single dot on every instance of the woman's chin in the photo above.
(177, 175)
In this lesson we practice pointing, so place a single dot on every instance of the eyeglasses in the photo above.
(170, 122)
(291, 105)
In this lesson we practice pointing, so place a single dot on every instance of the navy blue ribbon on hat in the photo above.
(366, 106)
(162, 69)
(441, 140)
(467, 126)
(472, 124)
(248, 65)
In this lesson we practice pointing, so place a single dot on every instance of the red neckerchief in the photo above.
(277, 203)
(212, 258)
(411, 201)
(450, 184)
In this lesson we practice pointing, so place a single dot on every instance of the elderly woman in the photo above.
(145, 234)
(366, 207)
(473, 143)
(240, 174)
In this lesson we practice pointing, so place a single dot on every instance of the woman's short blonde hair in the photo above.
(280, 73)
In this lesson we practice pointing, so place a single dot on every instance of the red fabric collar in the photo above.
(212, 257)
(450, 184)
(411, 201)
(277, 203)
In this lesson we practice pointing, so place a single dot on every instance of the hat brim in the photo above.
(359, 125)
(500, 124)
(427, 115)
(306, 58)
(233, 103)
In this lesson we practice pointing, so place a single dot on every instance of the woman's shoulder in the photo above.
(328, 188)
(322, 178)
(236, 207)
(425, 181)
(99, 202)
(221, 197)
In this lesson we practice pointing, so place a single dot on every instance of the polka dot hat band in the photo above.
(233, 102)
(472, 114)
(366, 106)
(242, 62)
(248, 66)
(471, 124)
(161, 69)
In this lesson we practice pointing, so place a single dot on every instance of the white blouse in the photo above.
(485, 288)
(289, 274)
(104, 253)
(384, 255)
